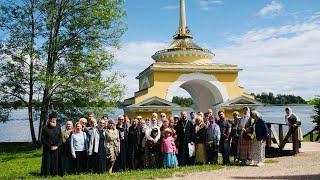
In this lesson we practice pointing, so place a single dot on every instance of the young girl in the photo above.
(168, 149)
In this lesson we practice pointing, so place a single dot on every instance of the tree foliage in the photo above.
(316, 117)
(55, 53)
(269, 98)
(184, 102)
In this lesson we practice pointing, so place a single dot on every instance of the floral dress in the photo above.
(112, 142)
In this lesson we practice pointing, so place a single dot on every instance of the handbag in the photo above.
(192, 150)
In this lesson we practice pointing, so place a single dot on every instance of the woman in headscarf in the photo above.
(294, 122)
(112, 142)
(260, 137)
(244, 142)
(66, 156)
(200, 140)
(152, 145)
(51, 140)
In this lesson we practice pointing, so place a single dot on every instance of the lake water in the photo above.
(17, 128)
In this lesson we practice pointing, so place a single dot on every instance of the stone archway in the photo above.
(205, 90)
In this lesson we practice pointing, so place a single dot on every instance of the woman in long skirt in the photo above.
(201, 134)
(112, 142)
(121, 163)
(66, 156)
(261, 134)
(245, 140)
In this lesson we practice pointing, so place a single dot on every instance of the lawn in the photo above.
(22, 161)
(307, 138)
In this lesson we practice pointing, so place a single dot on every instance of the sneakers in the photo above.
(260, 164)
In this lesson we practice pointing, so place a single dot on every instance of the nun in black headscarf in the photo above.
(51, 139)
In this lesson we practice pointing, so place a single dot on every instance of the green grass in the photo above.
(22, 161)
(307, 138)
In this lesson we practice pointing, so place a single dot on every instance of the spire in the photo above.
(183, 31)
(183, 21)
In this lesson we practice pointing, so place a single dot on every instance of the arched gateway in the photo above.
(186, 65)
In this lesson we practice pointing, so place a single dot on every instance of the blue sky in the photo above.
(277, 43)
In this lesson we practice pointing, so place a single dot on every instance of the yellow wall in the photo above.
(162, 81)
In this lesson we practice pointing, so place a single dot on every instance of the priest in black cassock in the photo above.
(185, 135)
(51, 139)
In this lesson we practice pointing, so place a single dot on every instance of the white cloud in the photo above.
(206, 4)
(134, 57)
(170, 7)
(281, 60)
(271, 9)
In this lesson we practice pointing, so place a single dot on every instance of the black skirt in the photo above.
(80, 163)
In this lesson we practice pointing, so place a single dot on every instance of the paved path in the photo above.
(305, 165)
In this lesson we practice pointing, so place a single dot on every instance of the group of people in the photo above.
(103, 145)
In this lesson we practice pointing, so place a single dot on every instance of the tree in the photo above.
(316, 117)
(71, 67)
(184, 102)
(19, 55)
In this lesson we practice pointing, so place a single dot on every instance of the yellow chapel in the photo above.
(184, 64)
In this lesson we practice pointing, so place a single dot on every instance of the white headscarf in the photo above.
(257, 114)
(290, 114)
(245, 119)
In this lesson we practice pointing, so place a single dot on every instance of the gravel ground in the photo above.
(305, 165)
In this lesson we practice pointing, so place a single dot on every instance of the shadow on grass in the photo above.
(11, 151)
(34, 174)
(16, 147)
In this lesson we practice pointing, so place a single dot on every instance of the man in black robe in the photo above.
(51, 139)
(185, 135)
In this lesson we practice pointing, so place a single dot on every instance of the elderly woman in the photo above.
(152, 145)
(294, 122)
(245, 128)
(261, 134)
(79, 147)
(51, 140)
(121, 163)
(112, 142)
(92, 136)
(200, 140)
(97, 149)
(66, 157)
